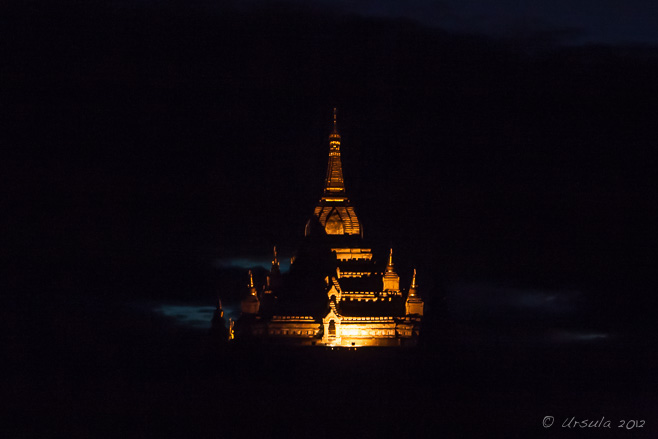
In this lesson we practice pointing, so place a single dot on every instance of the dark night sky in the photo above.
(490, 143)
(164, 132)
(145, 140)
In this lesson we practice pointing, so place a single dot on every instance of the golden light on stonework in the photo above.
(334, 224)
(365, 305)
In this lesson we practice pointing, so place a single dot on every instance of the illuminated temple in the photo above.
(335, 293)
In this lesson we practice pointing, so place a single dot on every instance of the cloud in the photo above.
(251, 262)
(468, 298)
(540, 21)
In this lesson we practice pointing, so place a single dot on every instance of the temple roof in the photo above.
(308, 307)
(361, 284)
(358, 266)
(351, 308)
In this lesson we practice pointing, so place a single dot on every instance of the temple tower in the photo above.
(391, 278)
(271, 287)
(362, 304)
(334, 210)
(414, 304)
(218, 324)
(275, 271)
(251, 304)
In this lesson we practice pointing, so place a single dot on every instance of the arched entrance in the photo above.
(332, 328)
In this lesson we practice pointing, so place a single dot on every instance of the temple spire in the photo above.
(391, 279)
(335, 127)
(275, 262)
(250, 304)
(334, 211)
(334, 184)
(389, 267)
(414, 304)
(251, 280)
(412, 290)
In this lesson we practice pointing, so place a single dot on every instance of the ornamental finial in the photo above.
(389, 267)
(275, 262)
(335, 127)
